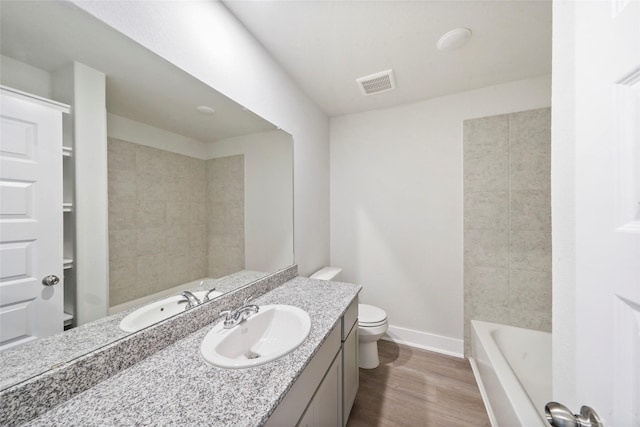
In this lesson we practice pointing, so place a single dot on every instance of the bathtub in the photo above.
(513, 369)
(190, 286)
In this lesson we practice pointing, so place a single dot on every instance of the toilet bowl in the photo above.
(372, 323)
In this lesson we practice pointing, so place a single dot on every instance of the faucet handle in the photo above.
(247, 299)
(206, 296)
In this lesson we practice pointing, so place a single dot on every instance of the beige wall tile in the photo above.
(486, 211)
(121, 184)
(531, 210)
(150, 241)
(178, 189)
(486, 136)
(151, 187)
(488, 286)
(530, 320)
(122, 278)
(177, 165)
(150, 214)
(178, 213)
(159, 218)
(150, 160)
(121, 155)
(177, 269)
(198, 264)
(122, 245)
(530, 132)
(530, 172)
(508, 157)
(177, 241)
(486, 248)
(530, 291)
(122, 214)
(530, 250)
(198, 237)
(151, 270)
(198, 212)
(489, 173)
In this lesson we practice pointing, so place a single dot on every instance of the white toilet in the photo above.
(372, 323)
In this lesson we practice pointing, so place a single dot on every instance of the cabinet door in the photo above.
(351, 376)
(327, 403)
(307, 418)
(30, 219)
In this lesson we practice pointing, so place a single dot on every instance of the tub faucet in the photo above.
(233, 318)
(190, 299)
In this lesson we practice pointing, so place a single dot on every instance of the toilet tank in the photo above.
(326, 273)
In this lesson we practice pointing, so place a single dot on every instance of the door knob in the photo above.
(50, 280)
(559, 415)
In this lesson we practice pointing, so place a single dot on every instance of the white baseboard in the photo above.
(425, 341)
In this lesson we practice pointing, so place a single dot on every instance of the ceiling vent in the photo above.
(377, 83)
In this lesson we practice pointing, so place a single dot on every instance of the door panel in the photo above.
(30, 219)
(607, 210)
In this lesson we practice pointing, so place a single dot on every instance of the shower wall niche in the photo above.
(507, 220)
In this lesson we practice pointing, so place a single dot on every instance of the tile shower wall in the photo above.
(225, 181)
(159, 217)
(507, 220)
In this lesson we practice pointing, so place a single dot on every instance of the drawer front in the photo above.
(350, 318)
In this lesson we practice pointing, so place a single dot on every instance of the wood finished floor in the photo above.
(413, 387)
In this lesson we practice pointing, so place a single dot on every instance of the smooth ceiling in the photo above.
(326, 45)
(140, 85)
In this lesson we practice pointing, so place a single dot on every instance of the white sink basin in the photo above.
(158, 311)
(267, 335)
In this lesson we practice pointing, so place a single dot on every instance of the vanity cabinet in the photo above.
(350, 373)
(325, 409)
(324, 392)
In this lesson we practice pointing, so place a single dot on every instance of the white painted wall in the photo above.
(397, 211)
(204, 39)
(268, 185)
(84, 89)
(141, 133)
(25, 77)
(563, 205)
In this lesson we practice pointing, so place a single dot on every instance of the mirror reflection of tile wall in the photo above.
(225, 181)
(507, 220)
(161, 221)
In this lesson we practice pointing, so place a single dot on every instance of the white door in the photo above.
(606, 244)
(31, 236)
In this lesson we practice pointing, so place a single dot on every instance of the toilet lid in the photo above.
(370, 315)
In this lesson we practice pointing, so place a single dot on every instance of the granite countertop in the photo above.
(23, 362)
(176, 385)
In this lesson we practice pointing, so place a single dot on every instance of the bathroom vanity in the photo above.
(315, 384)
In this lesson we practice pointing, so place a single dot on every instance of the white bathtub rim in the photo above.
(138, 302)
(483, 392)
(506, 377)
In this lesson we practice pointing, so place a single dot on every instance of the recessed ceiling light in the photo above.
(205, 110)
(454, 39)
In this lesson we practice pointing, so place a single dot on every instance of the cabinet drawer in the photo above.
(350, 318)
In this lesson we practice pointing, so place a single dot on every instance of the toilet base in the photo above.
(368, 355)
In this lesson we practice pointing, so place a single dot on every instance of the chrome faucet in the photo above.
(233, 318)
(190, 299)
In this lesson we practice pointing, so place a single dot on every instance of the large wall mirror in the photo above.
(200, 190)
